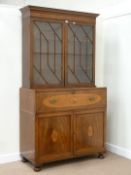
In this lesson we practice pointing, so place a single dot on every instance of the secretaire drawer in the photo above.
(70, 100)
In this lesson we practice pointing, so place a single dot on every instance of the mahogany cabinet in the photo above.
(62, 112)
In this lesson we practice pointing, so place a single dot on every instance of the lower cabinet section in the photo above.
(65, 135)
(62, 133)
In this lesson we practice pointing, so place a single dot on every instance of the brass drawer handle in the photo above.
(53, 101)
(74, 100)
(66, 21)
(92, 99)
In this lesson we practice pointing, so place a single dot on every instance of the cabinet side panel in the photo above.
(27, 124)
(27, 141)
(26, 52)
(27, 100)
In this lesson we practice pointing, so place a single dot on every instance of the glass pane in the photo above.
(47, 56)
(80, 54)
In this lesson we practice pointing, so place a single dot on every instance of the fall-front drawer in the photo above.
(70, 100)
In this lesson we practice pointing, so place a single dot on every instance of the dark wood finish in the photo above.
(27, 124)
(23, 159)
(55, 135)
(31, 15)
(89, 132)
(56, 14)
(26, 54)
(57, 131)
(62, 114)
(72, 99)
(37, 168)
(101, 156)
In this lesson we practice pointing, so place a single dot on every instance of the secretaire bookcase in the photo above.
(62, 112)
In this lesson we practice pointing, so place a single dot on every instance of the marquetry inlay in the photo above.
(54, 136)
(90, 131)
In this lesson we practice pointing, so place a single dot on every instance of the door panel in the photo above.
(47, 54)
(80, 54)
(89, 132)
(55, 137)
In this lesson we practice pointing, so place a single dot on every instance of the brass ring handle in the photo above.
(74, 100)
(92, 98)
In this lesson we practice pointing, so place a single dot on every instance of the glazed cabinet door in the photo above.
(54, 137)
(89, 133)
(80, 54)
(47, 54)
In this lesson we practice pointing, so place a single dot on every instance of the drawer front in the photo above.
(62, 101)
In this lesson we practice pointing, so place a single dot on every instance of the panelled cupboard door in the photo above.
(47, 53)
(54, 137)
(80, 54)
(89, 132)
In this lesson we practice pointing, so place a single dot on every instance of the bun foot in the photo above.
(24, 160)
(37, 168)
(101, 156)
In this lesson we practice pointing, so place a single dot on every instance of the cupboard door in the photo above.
(80, 54)
(55, 137)
(89, 133)
(47, 54)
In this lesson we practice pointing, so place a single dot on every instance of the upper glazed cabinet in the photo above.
(59, 48)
